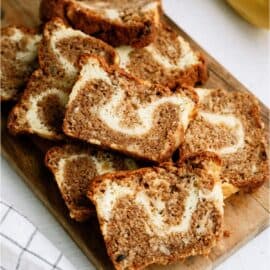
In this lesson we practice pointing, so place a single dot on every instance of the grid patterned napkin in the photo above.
(23, 247)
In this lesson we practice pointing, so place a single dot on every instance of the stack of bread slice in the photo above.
(111, 108)
(42, 106)
(144, 150)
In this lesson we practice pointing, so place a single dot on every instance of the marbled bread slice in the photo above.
(41, 108)
(111, 108)
(118, 22)
(62, 46)
(19, 49)
(74, 166)
(169, 60)
(176, 210)
(229, 124)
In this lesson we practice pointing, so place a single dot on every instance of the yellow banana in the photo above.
(254, 11)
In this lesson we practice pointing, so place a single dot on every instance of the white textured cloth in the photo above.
(23, 247)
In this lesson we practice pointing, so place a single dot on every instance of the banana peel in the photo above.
(254, 11)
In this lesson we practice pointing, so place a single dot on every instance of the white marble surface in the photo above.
(244, 51)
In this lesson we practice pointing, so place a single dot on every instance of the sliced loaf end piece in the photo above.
(117, 22)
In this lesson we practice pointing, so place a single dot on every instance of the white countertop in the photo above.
(244, 51)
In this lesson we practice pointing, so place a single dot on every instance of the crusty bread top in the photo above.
(169, 60)
(160, 214)
(109, 107)
(229, 124)
(42, 106)
(19, 48)
(74, 166)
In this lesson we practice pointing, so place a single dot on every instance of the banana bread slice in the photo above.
(117, 22)
(41, 108)
(169, 60)
(110, 108)
(74, 166)
(161, 214)
(229, 124)
(19, 49)
(62, 46)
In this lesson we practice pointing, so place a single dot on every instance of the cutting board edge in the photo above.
(241, 244)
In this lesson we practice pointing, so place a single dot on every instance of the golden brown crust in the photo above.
(195, 75)
(138, 35)
(191, 161)
(82, 214)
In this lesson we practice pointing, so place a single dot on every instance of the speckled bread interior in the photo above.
(110, 108)
(229, 124)
(176, 210)
(169, 60)
(74, 166)
(19, 49)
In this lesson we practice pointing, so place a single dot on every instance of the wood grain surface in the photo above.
(245, 214)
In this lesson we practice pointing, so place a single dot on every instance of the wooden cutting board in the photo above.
(245, 215)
